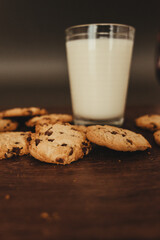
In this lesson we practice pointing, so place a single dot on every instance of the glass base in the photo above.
(113, 122)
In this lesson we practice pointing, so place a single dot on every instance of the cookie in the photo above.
(7, 125)
(22, 112)
(150, 122)
(117, 138)
(14, 144)
(80, 128)
(50, 118)
(59, 144)
(42, 127)
(156, 136)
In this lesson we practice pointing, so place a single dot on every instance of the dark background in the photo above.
(33, 69)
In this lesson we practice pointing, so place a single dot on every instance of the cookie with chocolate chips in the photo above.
(59, 144)
(50, 118)
(150, 122)
(42, 127)
(22, 112)
(80, 128)
(156, 136)
(14, 144)
(7, 125)
(117, 138)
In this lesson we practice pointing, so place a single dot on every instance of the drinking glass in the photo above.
(99, 59)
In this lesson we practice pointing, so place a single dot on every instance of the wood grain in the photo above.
(107, 195)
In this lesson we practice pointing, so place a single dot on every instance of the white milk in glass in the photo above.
(99, 72)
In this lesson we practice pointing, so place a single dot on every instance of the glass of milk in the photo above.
(99, 59)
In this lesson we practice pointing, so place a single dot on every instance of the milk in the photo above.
(98, 73)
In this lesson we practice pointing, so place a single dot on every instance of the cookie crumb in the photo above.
(45, 216)
(49, 217)
(7, 197)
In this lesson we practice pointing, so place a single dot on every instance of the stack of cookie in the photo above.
(15, 143)
(53, 139)
(151, 123)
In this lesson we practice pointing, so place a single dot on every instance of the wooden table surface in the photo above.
(107, 195)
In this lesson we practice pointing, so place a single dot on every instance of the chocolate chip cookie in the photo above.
(43, 127)
(59, 144)
(157, 137)
(22, 112)
(7, 125)
(117, 138)
(80, 128)
(150, 122)
(50, 118)
(14, 144)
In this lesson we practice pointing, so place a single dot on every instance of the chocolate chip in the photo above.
(154, 125)
(71, 151)
(61, 132)
(60, 160)
(22, 134)
(16, 142)
(8, 124)
(114, 132)
(29, 138)
(16, 150)
(85, 143)
(37, 141)
(84, 149)
(74, 129)
(123, 135)
(29, 112)
(130, 141)
(51, 140)
(48, 132)
(64, 144)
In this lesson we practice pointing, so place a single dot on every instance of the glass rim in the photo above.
(100, 24)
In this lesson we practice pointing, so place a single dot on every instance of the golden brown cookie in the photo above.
(117, 138)
(59, 144)
(41, 127)
(14, 144)
(50, 118)
(80, 128)
(150, 122)
(7, 125)
(157, 137)
(22, 112)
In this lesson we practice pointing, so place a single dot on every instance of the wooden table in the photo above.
(107, 195)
